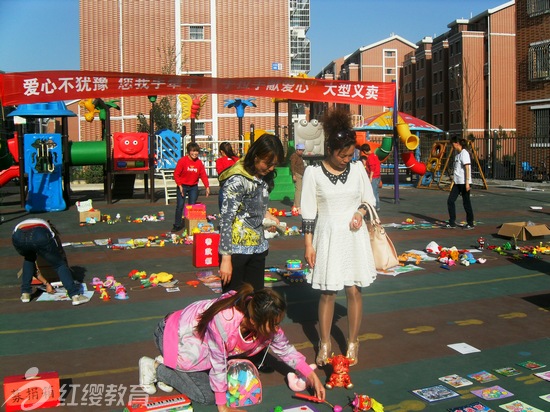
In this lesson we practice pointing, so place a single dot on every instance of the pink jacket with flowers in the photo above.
(184, 350)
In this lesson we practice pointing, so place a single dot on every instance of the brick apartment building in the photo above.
(379, 62)
(463, 80)
(533, 82)
(216, 38)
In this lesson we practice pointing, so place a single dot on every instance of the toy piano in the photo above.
(174, 403)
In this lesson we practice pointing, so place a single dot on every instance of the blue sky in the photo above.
(44, 34)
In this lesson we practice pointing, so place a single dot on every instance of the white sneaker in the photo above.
(25, 297)
(80, 299)
(147, 375)
(161, 385)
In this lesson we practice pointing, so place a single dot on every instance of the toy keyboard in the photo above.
(174, 403)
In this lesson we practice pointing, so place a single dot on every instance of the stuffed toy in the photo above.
(340, 373)
(297, 383)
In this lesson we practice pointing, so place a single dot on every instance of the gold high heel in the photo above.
(353, 352)
(323, 354)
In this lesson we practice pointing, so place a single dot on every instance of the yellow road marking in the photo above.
(468, 322)
(394, 292)
(79, 325)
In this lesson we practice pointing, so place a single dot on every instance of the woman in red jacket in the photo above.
(187, 174)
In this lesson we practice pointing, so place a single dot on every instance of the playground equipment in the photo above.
(439, 168)
(384, 122)
(46, 158)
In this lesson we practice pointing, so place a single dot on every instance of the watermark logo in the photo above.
(33, 391)
(33, 394)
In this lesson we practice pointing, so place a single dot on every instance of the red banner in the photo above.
(48, 86)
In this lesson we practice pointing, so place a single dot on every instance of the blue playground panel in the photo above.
(169, 149)
(43, 166)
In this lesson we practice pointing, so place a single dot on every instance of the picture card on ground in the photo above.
(435, 393)
(543, 375)
(397, 270)
(463, 348)
(519, 406)
(545, 397)
(531, 365)
(472, 407)
(61, 294)
(455, 381)
(507, 371)
(492, 393)
(483, 376)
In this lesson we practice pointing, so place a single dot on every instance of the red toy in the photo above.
(340, 373)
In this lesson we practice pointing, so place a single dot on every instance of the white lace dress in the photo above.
(343, 257)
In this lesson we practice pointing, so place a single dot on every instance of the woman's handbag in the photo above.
(244, 387)
(385, 256)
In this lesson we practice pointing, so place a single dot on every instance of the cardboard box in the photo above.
(523, 230)
(205, 250)
(33, 392)
(191, 224)
(96, 214)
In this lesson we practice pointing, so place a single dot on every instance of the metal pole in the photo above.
(395, 150)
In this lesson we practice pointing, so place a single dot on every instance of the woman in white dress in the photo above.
(337, 243)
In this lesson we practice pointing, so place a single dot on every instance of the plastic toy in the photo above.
(120, 293)
(193, 283)
(295, 264)
(295, 382)
(104, 295)
(109, 282)
(340, 373)
(160, 277)
(481, 243)
(366, 403)
(335, 408)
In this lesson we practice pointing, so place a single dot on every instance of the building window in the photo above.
(196, 32)
(200, 129)
(539, 60)
(542, 125)
(536, 7)
(389, 53)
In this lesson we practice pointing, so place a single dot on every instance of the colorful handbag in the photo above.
(244, 387)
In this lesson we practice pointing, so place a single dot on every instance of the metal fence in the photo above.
(500, 157)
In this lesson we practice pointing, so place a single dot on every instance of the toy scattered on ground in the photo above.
(481, 243)
(365, 403)
(404, 257)
(110, 283)
(340, 373)
(193, 283)
(150, 281)
(295, 271)
(359, 403)
(294, 264)
(335, 408)
(297, 383)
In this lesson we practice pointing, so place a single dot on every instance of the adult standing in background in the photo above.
(227, 159)
(187, 174)
(297, 168)
(462, 178)
(373, 167)
(335, 195)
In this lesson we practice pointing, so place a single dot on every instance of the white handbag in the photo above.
(385, 256)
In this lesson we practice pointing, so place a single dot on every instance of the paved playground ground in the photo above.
(500, 307)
